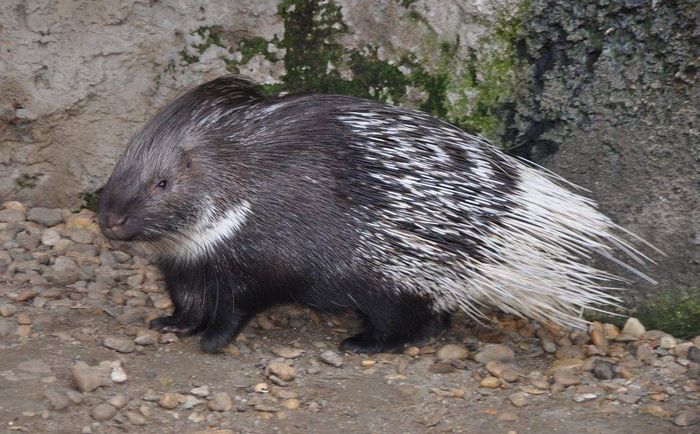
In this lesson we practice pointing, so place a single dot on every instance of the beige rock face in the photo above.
(79, 77)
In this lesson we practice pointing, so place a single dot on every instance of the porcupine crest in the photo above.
(461, 220)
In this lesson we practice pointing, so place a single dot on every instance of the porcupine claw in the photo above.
(171, 324)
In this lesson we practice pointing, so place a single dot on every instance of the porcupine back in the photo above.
(462, 221)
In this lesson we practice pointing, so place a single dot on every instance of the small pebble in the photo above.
(146, 337)
(645, 353)
(119, 344)
(74, 397)
(549, 346)
(7, 310)
(26, 295)
(566, 378)
(502, 371)
(518, 399)
(611, 331)
(45, 216)
(490, 382)
(629, 398)
(287, 352)
(442, 368)
(24, 319)
(657, 410)
(367, 363)
(411, 351)
(452, 352)
(103, 412)
(261, 388)
(633, 328)
(170, 400)
(191, 402)
(220, 401)
(196, 417)
(281, 370)
(57, 400)
(332, 358)
(694, 354)
(687, 418)
(603, 370)
(507, 417)
(585, 397)
(667, 342)
(135, 418)
(497, 352)
(232, 350)
(118, 375)
(599, 340)
(291, 404)
(201, 391)
(117, 401)
(88, 378)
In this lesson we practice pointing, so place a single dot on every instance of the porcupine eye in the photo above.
(163, 183)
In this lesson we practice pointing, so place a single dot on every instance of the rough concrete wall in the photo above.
(603, 92)
(613, 103)
(79, 76)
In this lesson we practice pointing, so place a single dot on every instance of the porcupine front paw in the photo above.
(172, 324)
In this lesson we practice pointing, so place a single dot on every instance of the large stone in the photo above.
(120, 344)
(64, 271)
(633, 328)
(11, 216)
(452, 352)
(281, 370)
(88, 378)
(45, 216)
(498, 352)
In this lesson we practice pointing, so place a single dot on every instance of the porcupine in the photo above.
(345, 204)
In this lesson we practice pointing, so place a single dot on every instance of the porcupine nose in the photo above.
(115, 225)
(116, 220)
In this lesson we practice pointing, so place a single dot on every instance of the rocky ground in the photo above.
(76, 356)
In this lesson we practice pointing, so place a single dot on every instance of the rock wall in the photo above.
(604, 92)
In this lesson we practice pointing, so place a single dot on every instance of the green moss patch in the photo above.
(90, 199)
(493, 72)
(470, 95)
(675, 312)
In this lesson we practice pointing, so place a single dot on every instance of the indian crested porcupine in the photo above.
(345, 204)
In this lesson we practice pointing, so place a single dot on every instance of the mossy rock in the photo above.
(675, 312)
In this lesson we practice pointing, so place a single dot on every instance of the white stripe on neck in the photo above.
(213, 229)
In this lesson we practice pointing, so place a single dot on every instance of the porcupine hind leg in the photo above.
(393, 321)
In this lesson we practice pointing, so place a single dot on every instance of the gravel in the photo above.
(67, 303)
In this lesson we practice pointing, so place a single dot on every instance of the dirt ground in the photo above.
(76, 356)
(348, 399)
